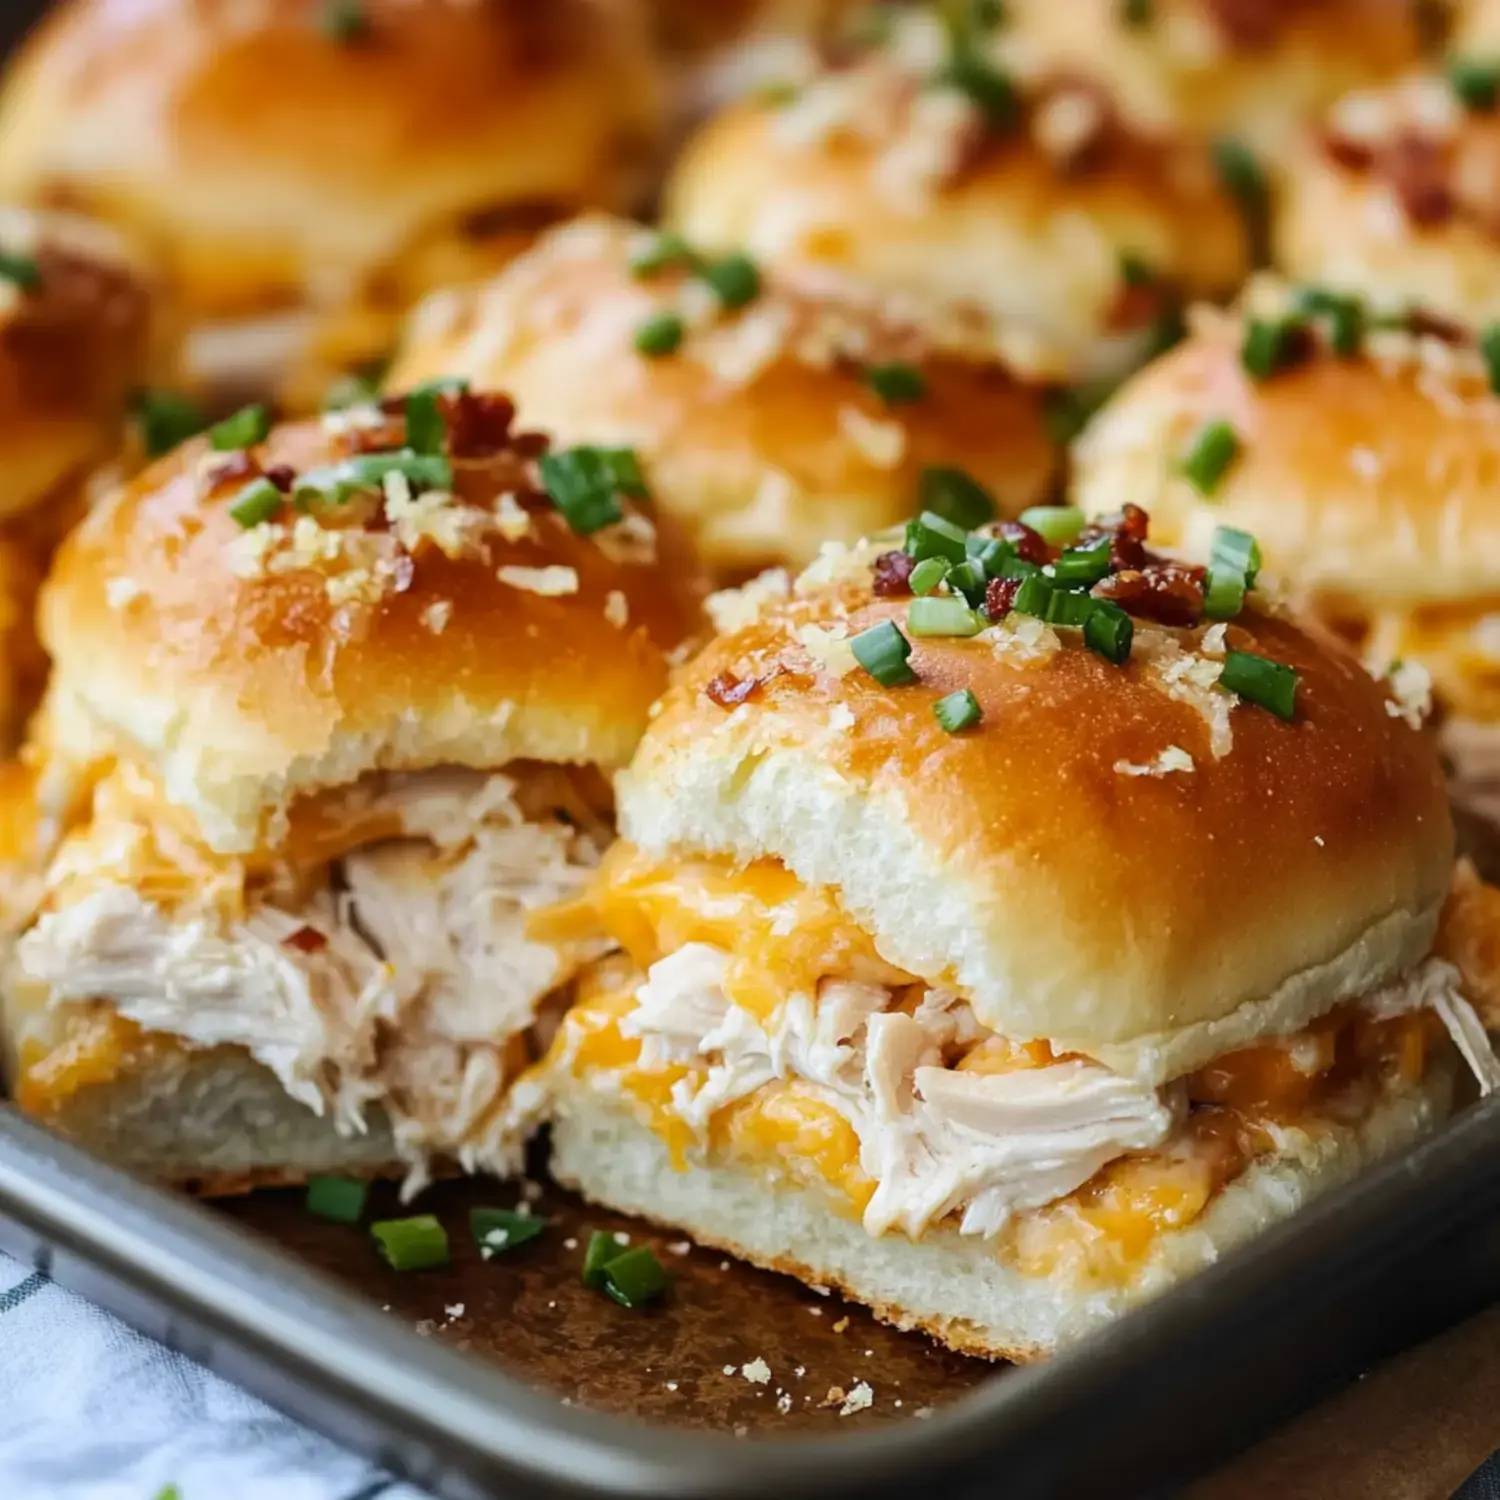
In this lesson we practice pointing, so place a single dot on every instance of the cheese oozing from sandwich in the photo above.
(379, 958)
(767, 1027)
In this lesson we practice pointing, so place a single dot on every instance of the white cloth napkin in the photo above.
(90, 1410)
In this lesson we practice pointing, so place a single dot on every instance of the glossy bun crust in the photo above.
(245, 668)
(1045, 863)
(1370, 482)
(1001, 242)
(1397, 198)
(760, 432)
(1212, 67)
(272, 165)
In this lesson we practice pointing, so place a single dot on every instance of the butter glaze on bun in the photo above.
(1060, 865)
(760, 431)
(1010, 238)
(243, 668)
(302, 182)
(1208, 67)
(1397, 198)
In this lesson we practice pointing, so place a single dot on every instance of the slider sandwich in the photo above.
(79, 331)
(304, 171)
(1252, 72)
(766, 417)
(1396, 196)
(1360, 446)
(336, 705)
(1027, 225)
(1019, 919)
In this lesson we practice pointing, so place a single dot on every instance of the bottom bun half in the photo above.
(952, 1286)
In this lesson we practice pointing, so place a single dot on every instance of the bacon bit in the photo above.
(1422, 323)
(729, 691)
(1137, 306)
(893, 573)
(233, 466)
(1000, 597)
(530, 444)
(477, 424)
(1353, 156)
(1170, 593)
(283, 476)
(306, 940)
(1417, 170)
(1030, 545)
(1251, 24)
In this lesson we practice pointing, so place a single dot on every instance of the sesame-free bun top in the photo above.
(78, 333)
(1213, 68)
(246, 667)
(1049, 863)
(1024, 239)
(1371, 481)
(1397, 197)
(760, 431)
(273, 159)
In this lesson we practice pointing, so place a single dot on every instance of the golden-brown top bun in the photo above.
(1211, 67)
(399, 628)
(760, 431)
(78, 333)
(1371, 482)
(1397, 198)
(276, 154)
(1128, 861)
(1041, 234)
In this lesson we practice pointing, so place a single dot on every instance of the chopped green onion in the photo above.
(1476, 81)
(1134, 271)
(635, 1278)
(992, 554)
(1083, 565)
(1233, 568)
(1109, 631)
(1489, 352)
(882, 651)
(1241, 176)
(1034, 597)
(665, 251)
(359, 388)
(1057, 525)
(1066, 413)
(969, 579)
(426, 426)
(734, 278)
(896, 382)
(416, 1244)
(335, 483)
(1167, 332)
(953, 495)
(343, 20)
(775, 92)
(585, 485)
(930, 535)
(603, 1247)
(1259, 680)
(1210, 455)
(169, 1492)
(1269, 345)
(1345, 317)
(338, 1199)
(497, 1230)
(927, 574)
(986, 86)
(20, 270)
(1067, 608)
(246, 427)
(659, 335)
(958, 711)
(258, 501)
(1136, 13)
(943, 616)
(166, 420)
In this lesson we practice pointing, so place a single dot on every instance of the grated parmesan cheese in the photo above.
(830, 649)
(437, 614)
(550, 582)
(120, 591)
(734, 609)
(881, 444)
(617, 609)
(1173, 758)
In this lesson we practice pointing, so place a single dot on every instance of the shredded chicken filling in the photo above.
(953, 1122)
(403, 976)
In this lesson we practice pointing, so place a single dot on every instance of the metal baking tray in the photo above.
(1137, 1409)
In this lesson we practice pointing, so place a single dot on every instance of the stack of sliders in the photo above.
(1014, 920)
(1361, 448)
(335, 705)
